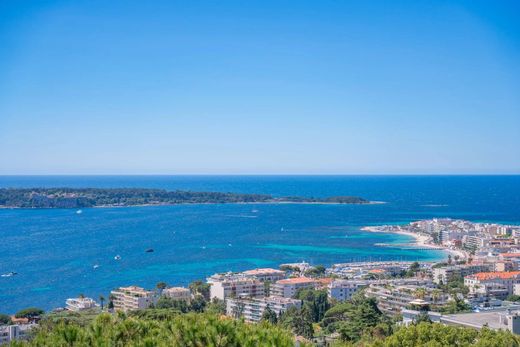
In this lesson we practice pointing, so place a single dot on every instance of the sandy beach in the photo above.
(420, 241)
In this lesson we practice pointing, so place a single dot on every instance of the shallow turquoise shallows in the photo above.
(59, 254)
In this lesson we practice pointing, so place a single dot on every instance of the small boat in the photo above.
(254, 211)
(203, 247)
(79, 212)
(281, 229)
(149, 250)
(9, 274)
(117, 257)
(230, 245)
(96, 266)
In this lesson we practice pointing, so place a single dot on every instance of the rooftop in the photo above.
(481, 276)
(263, 271)
(296, 280)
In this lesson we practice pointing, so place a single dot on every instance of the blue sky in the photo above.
(221, 87)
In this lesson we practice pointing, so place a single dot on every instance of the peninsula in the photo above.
(119, 197)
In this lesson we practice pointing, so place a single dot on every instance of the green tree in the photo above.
(101, 301)
(269, 315)
(216, 306)
(297, 320)
(198, 304)
(316, 302)
(5, 319)
(30, 313)
(201, 288)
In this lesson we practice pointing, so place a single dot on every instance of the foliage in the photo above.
(438, 335)
(201, 288)
(269, 315)
(90, 197)
(167, 302)
(513, 297)
(455, 306)
(30, 312)
(316, 301)
(297, 320)
(315, 271)
(216, 306)
(355, 318)
(5, 319)
(82, 318)
(177, 331)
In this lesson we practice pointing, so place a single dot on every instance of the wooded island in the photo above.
(117, 197)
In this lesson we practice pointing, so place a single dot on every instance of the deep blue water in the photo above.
(54, 250)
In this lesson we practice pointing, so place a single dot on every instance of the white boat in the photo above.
(79, 212)
(117, 257)
(9, 274)
(96, 266)
(254, 211)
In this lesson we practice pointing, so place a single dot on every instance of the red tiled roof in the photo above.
(481, 276)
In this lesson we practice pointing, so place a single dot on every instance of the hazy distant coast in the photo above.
(125, 197)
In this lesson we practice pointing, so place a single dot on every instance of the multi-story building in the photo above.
(480, 280)
(223, 288)
(9, 333)
(252, 309)
(177, 293)
(393, 298)
(342, 290)
(265, 274)
(80, 304)
(448, 273)
(133, 298)
(287, 288)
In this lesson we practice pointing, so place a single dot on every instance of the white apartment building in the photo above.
(480, 280)
(447, 273)
(342, 290)
(133, 298)
(177, 293)
(392, 298)
(252, 309)
(287, 288)
(80, 304)
(235, 287)
(13, 332)
(265, 274)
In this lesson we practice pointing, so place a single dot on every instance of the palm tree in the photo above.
(101, 300)
(419, 293)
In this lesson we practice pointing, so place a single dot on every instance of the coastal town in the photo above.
(476, 286)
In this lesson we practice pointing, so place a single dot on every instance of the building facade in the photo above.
(133, 298)
(252, 309)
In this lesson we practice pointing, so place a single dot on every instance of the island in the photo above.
(121, 197)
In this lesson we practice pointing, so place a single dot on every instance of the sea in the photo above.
(59, 253)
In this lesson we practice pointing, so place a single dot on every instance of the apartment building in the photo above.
(252, 309)
(392, 299)
(448, 273)
(287, 288)
(223, 288)
(342, 290)
(9, 333)
(265, 274)
(133, 298)
(177, 293)
(80, 304)
(481, 280)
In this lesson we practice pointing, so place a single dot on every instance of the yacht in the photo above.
(117, 257)
(9, 274)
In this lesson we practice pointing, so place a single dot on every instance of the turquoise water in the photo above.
(54, 251)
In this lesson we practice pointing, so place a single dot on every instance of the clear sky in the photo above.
(221, 87)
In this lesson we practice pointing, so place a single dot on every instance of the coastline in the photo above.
(199, 203)
(420, 241)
